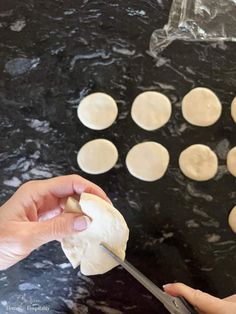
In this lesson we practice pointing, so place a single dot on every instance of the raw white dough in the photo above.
(108, 226)
(97, 111)
(147, 161)
(201, 107)
(233, 109)
(231, 161)
(232, 219)
(151, 110)
(198, 162)
(97, 156)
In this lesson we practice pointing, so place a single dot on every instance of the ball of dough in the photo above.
(198, 162)
(147, 161)
(97, 111)
(233, 109)
(108, 226)
(97, 156)
(231, 161)
(151, 110)
(232, 219)
(201, 107)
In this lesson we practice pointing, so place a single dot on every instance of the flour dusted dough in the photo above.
(151, 110)
(233, 109)
(201, 107)
(147, 161)
(232, 219)
(108, 226)
(97, 111)
(198, 162)
(231, 161)
(97, 156)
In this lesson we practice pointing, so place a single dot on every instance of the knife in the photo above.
(175, 305)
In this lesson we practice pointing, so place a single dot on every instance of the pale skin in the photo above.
(204, 303)
(34, 216)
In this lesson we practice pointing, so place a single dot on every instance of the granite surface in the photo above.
(53, 53)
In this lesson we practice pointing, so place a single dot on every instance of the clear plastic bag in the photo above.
(197, 20)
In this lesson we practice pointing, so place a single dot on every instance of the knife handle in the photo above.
(188, 306)
(178, 305)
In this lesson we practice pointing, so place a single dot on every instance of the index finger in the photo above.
(64, 186)
(205, 303)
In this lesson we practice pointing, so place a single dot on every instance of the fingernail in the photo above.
(167, 286)
(81, 223)
(49, 215)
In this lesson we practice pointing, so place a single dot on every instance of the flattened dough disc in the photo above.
(232, 219)
(231, 161)
(97, 156)
(108, 226)
(147, 161)
(198, 162)
(151, 110)
(97, 111)
(233, 109)
(201, 107)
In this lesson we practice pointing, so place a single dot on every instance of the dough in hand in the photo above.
(97, 111)
(108, 226)
(231, 161)
(233, 109)
(232, 219)
(201, 107)
(151, 110)
(97, 156)
(198, 162)
(147, 161)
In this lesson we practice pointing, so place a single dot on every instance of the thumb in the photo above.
(56, 228)
(205, 303)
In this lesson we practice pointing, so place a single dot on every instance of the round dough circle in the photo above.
(232, 219)
(201, 107)
(97, 156)
(198, 162)
(233, 109)
(97, 111)
(151, 110)
(147, 161)
(231, 161)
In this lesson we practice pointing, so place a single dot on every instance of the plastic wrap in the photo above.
(197, 20)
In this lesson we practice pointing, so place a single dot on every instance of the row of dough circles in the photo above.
(149, 161)
(151, 110)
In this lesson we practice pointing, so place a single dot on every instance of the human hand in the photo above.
(34, 216)
(203, 302)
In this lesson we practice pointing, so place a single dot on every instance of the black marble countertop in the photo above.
(53, 53)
